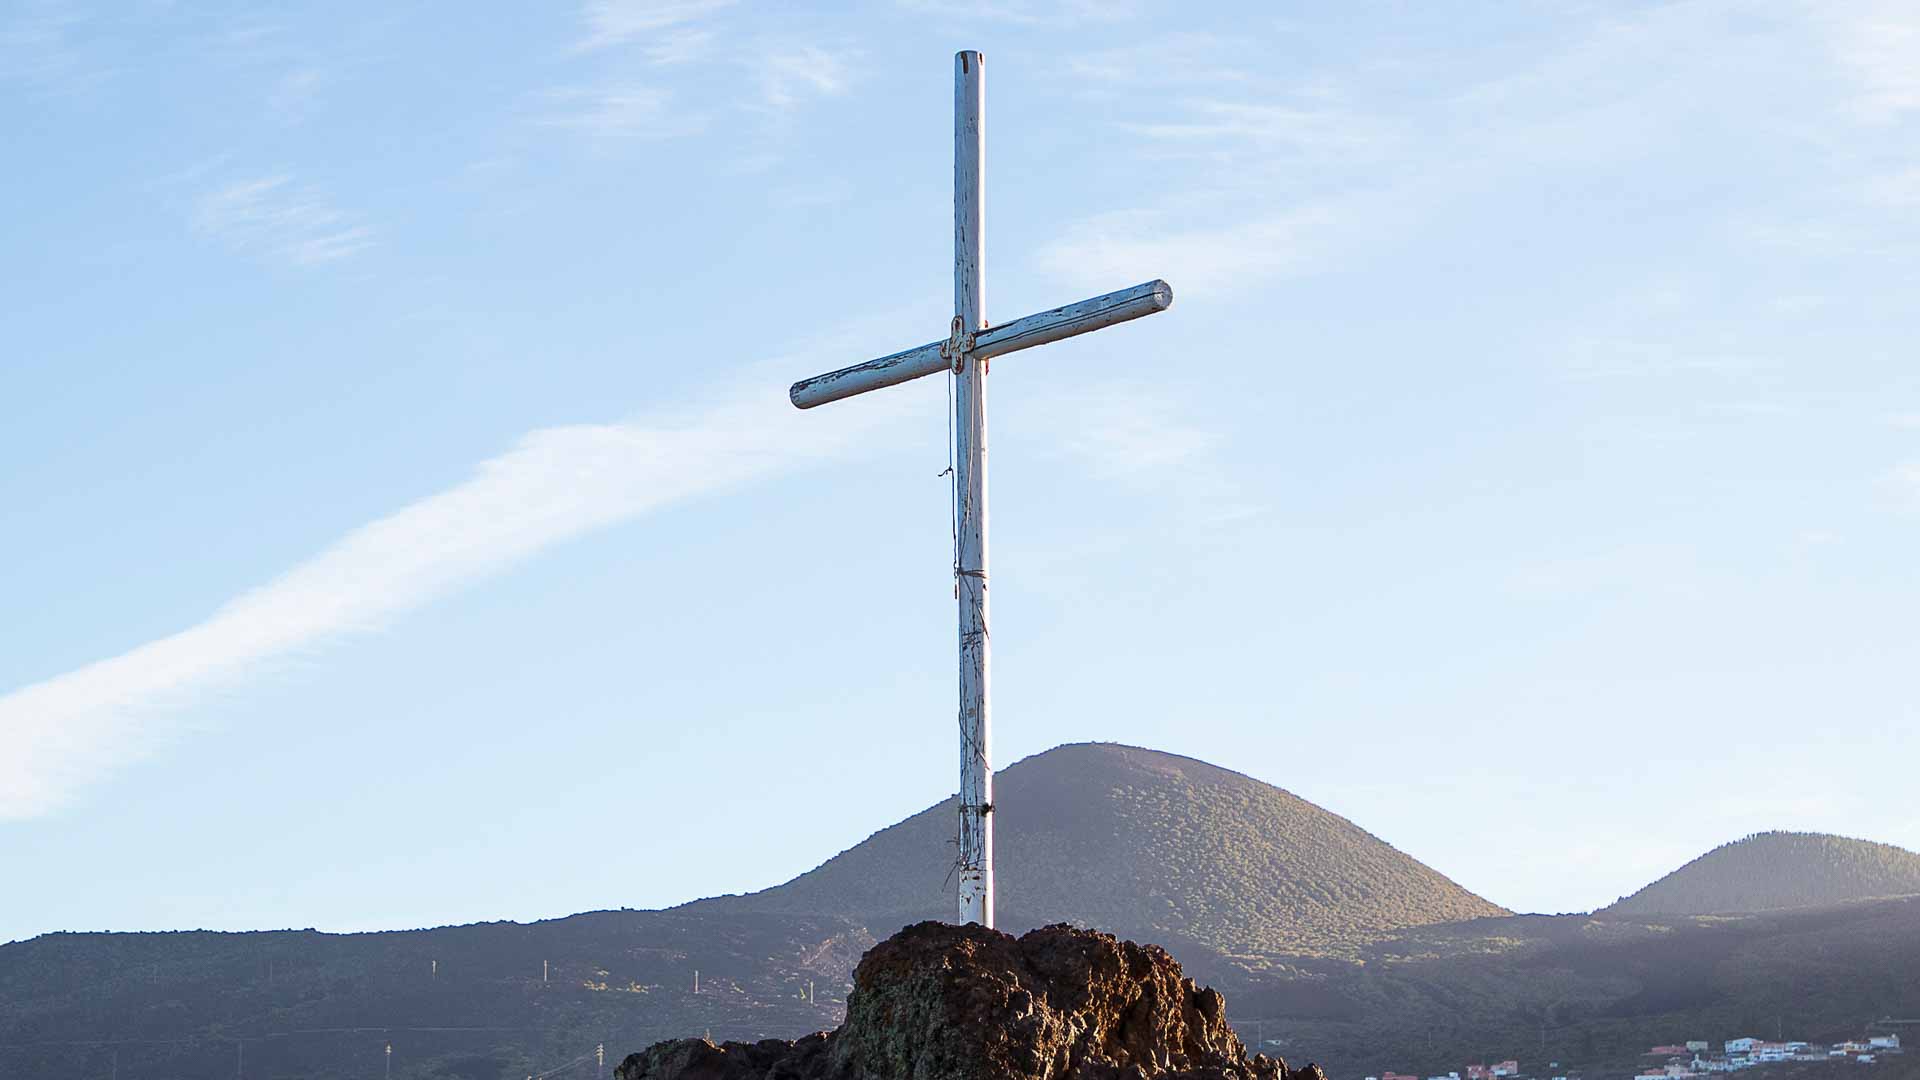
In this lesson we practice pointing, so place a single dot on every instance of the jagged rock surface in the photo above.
(940, 1002)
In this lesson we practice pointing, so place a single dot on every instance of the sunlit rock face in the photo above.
(941, 1002)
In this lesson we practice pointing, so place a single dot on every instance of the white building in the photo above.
(1742, 1045)
(1884, 1042)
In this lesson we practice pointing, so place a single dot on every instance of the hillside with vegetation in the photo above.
(1328, 944)
(1593, 992)
(491, 1001)
(1147, 845)
(503, 1001)
(1778, 870)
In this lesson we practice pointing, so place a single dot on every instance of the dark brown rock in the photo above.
(942, 1002)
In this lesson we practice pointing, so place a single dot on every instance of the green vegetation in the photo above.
(1776, 870)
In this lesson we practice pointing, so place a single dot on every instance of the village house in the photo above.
(1884, 1042)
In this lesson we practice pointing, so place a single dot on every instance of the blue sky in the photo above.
(404, 522)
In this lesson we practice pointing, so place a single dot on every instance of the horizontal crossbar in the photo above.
(1061, 322)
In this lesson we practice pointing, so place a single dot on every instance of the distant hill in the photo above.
(503, 1001)
(490, 1001)
(1777, 870)
(1148, 845)
(1593, 992)
(1328, 943)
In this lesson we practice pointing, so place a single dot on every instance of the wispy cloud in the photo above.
(1179, 59)
(1604, 357)
(791, 75)
(1304, 130)
(1037, 13)
(1900, 188)
(1251, 211)
(1903, 480)
(615, 22)
(681, 45)
(1127, 433)
(760, 75)
(1145, 244)
(42, 46)
(72, 730)
(620, 112)
(296, 93)
(1132, 436)
(1878, 43)
(276, 217)
(1612, 87)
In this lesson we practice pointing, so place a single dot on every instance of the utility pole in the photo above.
(810, 1000)
(434, 972)
(543, 971)
(696, 980)
(389, 1061)
(599, 1061)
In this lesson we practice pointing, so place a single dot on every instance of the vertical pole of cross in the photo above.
(970, 489)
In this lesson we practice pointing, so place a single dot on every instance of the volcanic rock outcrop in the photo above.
(941, 1002)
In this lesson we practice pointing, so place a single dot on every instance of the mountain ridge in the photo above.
(503, 1000)
(1144, 844)
(1776, 871)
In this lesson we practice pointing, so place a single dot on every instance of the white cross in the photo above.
(970, 343)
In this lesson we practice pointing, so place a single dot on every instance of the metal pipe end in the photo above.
(969, 59)
(1162, 295)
